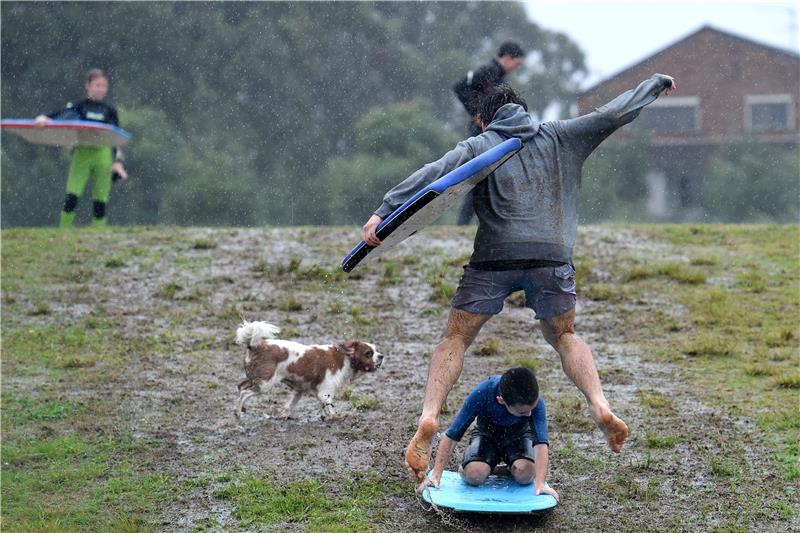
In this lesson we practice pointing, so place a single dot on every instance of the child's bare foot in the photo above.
(418, 453)
(615, 430)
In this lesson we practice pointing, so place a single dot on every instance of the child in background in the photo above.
(90, 161)
(511, 427)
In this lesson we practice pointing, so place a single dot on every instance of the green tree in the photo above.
(269, 91)
(750, 181)
(32, 193)
(613, 185)
(216, 187)
(153, 163)
(391, 142)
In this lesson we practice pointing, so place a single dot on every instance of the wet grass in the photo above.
(67, 464)
(569, 414)
(740, 337)
(655, 441)
(365, 402)
(490, 346)
(670, 270)
(391, 273)
(655, 401)
(290, 304)
(204, 244)
(528, 361)
(78, 315)
(443, 281)
(315, 505)
(66, 469)
(601, 292)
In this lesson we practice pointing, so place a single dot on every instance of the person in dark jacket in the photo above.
(100, 163)
(469, 90)
(527, 224)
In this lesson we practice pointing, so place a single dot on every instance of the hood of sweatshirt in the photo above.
(512, 120)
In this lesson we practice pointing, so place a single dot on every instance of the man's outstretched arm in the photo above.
(423, 177)
(588, 131)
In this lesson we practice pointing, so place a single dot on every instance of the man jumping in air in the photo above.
(527, 224)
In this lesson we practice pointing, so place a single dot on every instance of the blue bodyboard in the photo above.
(499, 494)
(432, 202)
(67, 133)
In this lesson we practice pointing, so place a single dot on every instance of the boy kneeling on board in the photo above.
(511, 427)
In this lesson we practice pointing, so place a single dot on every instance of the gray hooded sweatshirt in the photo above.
(528, 208)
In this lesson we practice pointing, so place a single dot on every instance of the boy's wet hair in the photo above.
(95, 73)
(510, 48)
(518, 386)
(495, 98)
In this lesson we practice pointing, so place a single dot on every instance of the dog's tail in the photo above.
(252, 333)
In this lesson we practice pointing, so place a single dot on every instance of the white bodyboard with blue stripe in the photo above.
(69, 133)
(432, 202)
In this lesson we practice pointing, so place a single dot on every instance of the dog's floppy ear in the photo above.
(348, 346)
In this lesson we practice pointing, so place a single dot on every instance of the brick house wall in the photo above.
(728, 87)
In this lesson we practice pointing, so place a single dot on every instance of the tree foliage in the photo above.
(391, 143)
(752, 181)
(613, 185)
(242, 111)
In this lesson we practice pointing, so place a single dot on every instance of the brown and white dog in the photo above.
(320, 369)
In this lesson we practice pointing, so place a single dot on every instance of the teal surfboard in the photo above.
(499, 494)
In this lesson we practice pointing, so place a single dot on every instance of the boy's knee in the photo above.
(523, 471)
(476, 472)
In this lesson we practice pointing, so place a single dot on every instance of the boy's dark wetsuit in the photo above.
(468, 90)
(88, 161)
(498, 435)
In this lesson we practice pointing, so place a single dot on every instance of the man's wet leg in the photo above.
(446, 364)
(578, 364)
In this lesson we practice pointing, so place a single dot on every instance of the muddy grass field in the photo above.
(119, 374)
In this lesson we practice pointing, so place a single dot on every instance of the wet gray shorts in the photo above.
(549, 291)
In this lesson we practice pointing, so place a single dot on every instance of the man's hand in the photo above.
(434, 479)
(541, 488)
(119, 168)
(41, 120)
(672, 86)
(368, 231)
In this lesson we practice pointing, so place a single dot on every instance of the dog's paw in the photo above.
(335, 417)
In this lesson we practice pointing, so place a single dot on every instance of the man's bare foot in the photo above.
(418, 453)
(615, 430)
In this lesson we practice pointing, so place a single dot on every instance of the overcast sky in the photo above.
(615, 34)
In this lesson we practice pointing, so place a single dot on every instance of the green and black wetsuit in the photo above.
(89, 161)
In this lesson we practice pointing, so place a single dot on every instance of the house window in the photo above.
(769, 112)
(672, 115)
